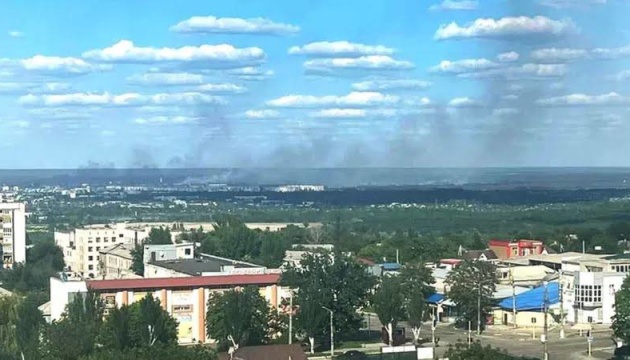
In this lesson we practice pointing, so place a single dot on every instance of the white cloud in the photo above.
(505, 111)
(463, 66)
(370, 62)
(525, 71)
(15, 33)
(554, 55)
(455, 5)
(339, 49)
(107, 133)
(507, 26)
(511, 56)
(611, 53)
(510, 97)
(622, 75)
(226, 55)
(18, 124)
(215, 25)
(391, 84)
(54, 65)
(558, 4)
(32, 87)
(166, 120)
(610, 99)
(127, 99)
(223, 88)
(463, 102)
(353, 99)
(262, 114)
(251, 73)
(74, 113)
(340, 113)
(162, 79)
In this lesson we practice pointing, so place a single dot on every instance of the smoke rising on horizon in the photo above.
(502, 123)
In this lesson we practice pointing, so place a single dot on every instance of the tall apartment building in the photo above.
(81, 247)
(13, 233)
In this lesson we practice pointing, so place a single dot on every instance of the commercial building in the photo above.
(206, 265)
(184, 298)
(505, 249)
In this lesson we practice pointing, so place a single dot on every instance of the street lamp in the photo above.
(332, 333)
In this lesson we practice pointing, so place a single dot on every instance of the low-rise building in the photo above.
(116, 261)
(165, 252)
(184, 298)
(206, 265)
(505, 249)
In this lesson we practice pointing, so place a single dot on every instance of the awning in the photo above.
(534, 299)
(435, 298)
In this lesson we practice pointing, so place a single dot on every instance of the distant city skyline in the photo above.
(251, 83)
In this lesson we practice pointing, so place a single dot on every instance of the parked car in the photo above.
(353, 355)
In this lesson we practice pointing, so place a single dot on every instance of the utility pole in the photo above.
(513, 297)
(469, 334)
(479, 310)
(545, 327)
(291, 319)
(332, 333)
(561, 287)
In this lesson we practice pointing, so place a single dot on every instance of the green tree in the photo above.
(388, 302)
(621, 319)
(116, 331)
(341, 283)
(471, 286)
(417, 282)
(150, 324)
(243, 315)
(29, 325)
(75, 334)
(311, 318)
(8, 320)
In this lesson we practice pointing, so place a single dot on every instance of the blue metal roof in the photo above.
(391, 266)
(435, 298)
(533, 299)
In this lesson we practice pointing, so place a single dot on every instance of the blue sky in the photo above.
(314, 83)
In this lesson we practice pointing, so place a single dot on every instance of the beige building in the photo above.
(184, 298)
(82, 247)
(116, 261)
(13, 239)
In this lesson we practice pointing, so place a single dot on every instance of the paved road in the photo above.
(520, 341)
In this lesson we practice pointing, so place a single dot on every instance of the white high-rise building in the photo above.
(13, 233)
(81, 247)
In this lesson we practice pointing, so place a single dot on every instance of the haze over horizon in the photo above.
(314, 84)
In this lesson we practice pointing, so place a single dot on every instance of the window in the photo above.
(187, 251)
(90, 248)
(588, 293)
(90, 267)
(533, 320)
(98, 239)
(98, 248)
(90, 258)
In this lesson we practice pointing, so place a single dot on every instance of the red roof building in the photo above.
(184, 298)
(506, 249)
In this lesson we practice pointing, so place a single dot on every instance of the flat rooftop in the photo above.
(196, 267)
